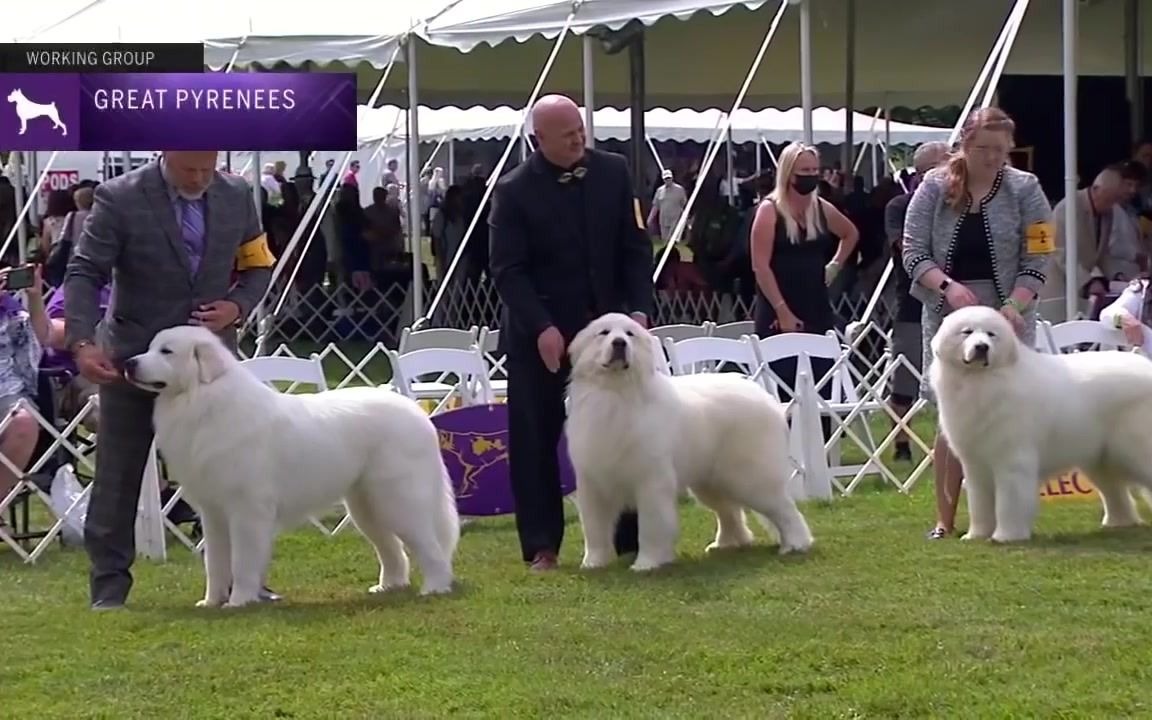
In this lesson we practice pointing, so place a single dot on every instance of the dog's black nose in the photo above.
(619, 344)
(130, 364)
(981, 348)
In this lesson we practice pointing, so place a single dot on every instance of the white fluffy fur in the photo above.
(638, 439)
(1016, 417)
(254, 461)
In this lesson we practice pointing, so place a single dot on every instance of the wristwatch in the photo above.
(944, 285)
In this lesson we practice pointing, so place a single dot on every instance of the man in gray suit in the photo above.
(168, 236)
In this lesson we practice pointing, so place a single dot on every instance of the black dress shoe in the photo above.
(267, 594)
(107, 604)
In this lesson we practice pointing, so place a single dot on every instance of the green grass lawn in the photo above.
(876, 623)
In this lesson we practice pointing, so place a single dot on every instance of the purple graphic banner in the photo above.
(178, 111)
(474, 442)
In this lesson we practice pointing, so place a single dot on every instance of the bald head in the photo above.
(1108, 190)
(929, 155)
(559, 129)
(189, 171)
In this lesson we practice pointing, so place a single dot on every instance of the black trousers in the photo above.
(535, 424)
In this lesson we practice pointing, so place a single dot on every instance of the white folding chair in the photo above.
(470, 384)
(1072, 335)
(733, 330)
(497, 374)
(844, 403)
(444, 338)
(711, 354)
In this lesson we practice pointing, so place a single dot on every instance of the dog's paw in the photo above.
(1003, 537)
(239, 602)
(976, 535)
(647, 564)
(207, 603)
(722, 545)
(436, 589)
(795, 548)
(389, 587)
(595, 562)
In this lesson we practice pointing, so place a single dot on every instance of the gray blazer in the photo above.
(1016, 201)
(132, 239)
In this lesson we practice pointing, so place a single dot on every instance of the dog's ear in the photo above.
(210, 361)
(579, 344)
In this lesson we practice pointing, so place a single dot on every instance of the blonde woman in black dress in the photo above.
(799, 244)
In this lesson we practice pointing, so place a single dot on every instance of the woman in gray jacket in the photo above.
(977, 232)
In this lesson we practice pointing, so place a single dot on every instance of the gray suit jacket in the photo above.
(132, 239)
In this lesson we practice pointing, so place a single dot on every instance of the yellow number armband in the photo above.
(1040, 238)
(255, 254)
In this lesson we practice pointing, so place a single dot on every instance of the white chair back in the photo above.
(798, 345)
(291, 370)
(471, 382)
(680, 331)
(445, 338)
(733, 330)
(1067, 336)
(710, 354)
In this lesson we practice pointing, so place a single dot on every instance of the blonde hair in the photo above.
(779, 195)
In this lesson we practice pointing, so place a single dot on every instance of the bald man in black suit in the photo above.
(567, 245)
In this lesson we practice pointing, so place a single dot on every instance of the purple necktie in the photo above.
(192, 230)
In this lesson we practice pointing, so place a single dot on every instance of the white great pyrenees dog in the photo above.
(254, 461)
(639, 439)
(1016, 417)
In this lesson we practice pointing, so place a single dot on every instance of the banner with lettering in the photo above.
(178, 111)
(1074, 485)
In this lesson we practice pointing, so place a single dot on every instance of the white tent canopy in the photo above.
(771, 125)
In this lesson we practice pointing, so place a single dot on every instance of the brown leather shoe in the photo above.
(544, 561)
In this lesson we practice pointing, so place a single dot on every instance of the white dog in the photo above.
(28, 110)
(1016, 417)
(639, 438)
(254, 461)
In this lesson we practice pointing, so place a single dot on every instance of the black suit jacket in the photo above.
(528, 225)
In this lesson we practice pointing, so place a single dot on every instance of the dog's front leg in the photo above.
(598, 523)
(252, 534)
(1017, 499)
(659, 520)
(981, 492)
(217, 559)
(23, 125)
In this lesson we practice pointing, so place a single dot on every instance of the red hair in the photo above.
(956, 174)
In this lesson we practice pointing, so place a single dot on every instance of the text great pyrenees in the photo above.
(254, 461)
(639, 438)
(1016, 417)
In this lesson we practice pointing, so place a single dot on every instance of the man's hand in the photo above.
(216, 315)
(94, 365)
(550, 343)
(362, 281)
(641, 319)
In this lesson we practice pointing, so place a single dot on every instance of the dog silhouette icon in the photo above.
(28, 110)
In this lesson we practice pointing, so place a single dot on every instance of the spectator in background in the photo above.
(391, 173)
(793, 236)
(56, 209)
(385, 229)
(906, 331)
(668, 205)
(1108, 245)
(448, 228)
(352, 229)
(23, 335)
(977, 232)
(57, 260)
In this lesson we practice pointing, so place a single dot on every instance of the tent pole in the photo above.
(1071, 76)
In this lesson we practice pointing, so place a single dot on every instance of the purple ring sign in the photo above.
(474, 443)
(178, 111)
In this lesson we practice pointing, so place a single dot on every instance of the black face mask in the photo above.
(805, 184)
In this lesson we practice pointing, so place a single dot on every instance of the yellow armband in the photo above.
(1040, 238)
(255, 254)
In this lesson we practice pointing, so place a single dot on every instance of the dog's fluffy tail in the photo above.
(448, 518)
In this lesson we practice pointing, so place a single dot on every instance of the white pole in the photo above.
(451, 161)
(1009, 41)
(17, 160)
(710, 156)
(806, 67)
(516, 136)
(257, 169)
(759, 160)
(652, 148)
(588, 48)
(731, 170)
(1071, 76)
(414, 229)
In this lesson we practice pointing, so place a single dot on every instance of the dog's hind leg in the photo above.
(1116, 497)
(732, 529)
(217, 559)
(394, 567)
(252, 535)
(598, 524)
